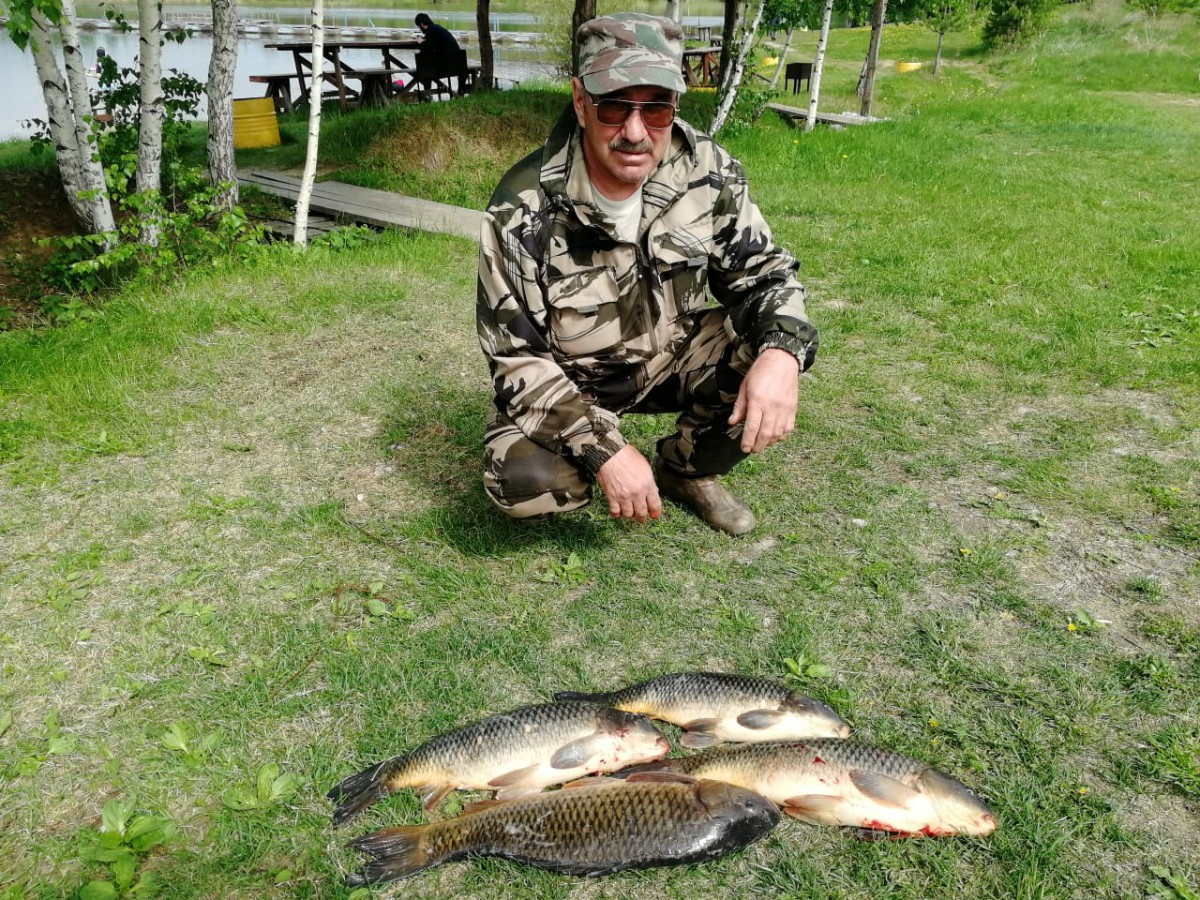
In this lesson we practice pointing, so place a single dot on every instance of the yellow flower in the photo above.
(1071, 626)
(933, 723)
(965, 551)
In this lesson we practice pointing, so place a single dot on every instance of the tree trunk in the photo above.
(584, 10)
(878, 11)
(732, 77)
(222, 166)
(487, 62)
(316, 88)
(814, 82)
(787, 45)
(69, 106)
(672, 11)
(937, 59)
(151, 112)
(728, 35)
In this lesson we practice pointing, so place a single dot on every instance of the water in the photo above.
(515, 61)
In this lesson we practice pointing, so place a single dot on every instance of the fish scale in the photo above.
(513, 753)
(591, 830)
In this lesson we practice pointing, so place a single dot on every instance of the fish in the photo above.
(713, 707)
(591, 829)
(514, 753)
(843, 783)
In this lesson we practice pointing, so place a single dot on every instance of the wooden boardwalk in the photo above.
(794, 114)
(371, 207)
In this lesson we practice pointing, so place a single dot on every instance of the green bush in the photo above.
(1012, 22)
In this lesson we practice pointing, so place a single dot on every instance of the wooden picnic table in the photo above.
(702, 66)
(373, 81)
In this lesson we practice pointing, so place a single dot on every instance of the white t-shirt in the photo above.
(626, 214)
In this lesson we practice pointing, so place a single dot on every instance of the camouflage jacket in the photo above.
(577, 325)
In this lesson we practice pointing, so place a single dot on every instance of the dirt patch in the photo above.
(32, 206)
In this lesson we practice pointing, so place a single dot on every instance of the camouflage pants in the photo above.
(524, 479)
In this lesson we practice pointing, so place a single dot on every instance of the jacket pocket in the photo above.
(583, 313)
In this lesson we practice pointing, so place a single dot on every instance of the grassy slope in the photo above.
(204, 490)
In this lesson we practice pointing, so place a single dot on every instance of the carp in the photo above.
(846, 783)
(513, 753)
(712, 707)
(594, 829)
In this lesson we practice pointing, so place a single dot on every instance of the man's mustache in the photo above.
(620, 145)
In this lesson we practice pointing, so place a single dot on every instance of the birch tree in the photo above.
(487, 62)
(731, 76)
(151, 112)
(814, 81)
(222, 167)
(867, 83)
(68, 109)
(315, 90)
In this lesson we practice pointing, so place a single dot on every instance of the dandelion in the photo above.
(933, 723)
(965, 551)
(1071, 626)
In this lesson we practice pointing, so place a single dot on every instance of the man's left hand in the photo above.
(767, 400)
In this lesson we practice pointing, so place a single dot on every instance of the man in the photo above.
(594, 261)
(435, 40)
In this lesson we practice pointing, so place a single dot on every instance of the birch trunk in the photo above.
(787, 45)
(814, 82)
(316, 88)
(487, 63)
(672, 11)
(152, 109)
(70, 124)
(222, 166)
(878, 11)
(731, 79)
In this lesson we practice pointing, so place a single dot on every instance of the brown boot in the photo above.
(707, 498)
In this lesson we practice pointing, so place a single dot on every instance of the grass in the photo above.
(242, 526)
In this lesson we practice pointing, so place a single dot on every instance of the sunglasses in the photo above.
(656, 115)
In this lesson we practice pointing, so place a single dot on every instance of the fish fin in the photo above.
(574, 754)
(759, 719)
(884, 790)
(480, 806)
(517, 791)
(397, 852)
(822, 809)
(356, 793)
(515, 778)
(662, 765)
(433, 794)
(561, 696)
(663, 777)
(699, 733)
(590, 781)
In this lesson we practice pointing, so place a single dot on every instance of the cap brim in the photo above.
(618, 78)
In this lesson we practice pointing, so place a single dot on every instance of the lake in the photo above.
(517, 58)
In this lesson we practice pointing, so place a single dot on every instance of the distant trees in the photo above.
(1011, 22)
(944, 16)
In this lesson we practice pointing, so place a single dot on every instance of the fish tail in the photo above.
(357, 792)
(397, 852)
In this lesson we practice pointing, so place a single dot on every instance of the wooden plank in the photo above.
(793, 113)
(373, 207)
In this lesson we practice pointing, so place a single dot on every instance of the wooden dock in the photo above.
(368, 206)
(794, 114)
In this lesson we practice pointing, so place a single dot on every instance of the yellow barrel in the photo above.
(904, 65)
(254, 123)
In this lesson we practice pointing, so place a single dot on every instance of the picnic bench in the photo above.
(702, 66)
(374, 83)
(793, 114)
(279, 89)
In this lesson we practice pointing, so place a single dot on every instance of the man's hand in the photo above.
(767, 400)
(628, 482)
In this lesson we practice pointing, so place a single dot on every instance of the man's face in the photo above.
(620, 157)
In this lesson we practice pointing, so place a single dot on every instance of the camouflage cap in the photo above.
(630, 50)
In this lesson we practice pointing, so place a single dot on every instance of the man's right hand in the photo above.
(628, 482)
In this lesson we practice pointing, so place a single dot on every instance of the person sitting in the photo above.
(439, 56)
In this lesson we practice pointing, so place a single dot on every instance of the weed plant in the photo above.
(246, 552)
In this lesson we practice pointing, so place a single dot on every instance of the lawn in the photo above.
(244, 551)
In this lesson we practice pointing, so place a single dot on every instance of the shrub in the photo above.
(1012, 22)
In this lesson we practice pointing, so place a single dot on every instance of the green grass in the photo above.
(246, 505)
